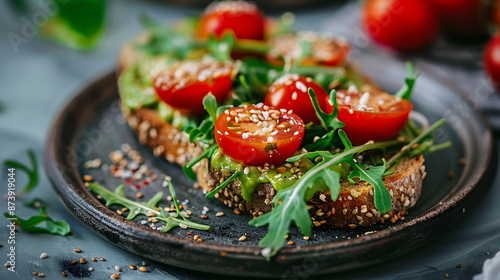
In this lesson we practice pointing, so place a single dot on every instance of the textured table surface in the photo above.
(41, 77)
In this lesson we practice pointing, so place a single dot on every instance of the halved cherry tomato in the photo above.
(185, 84)
(290, 92)
(371, 115)
(242, 18)
(258, 134)
(325, 50)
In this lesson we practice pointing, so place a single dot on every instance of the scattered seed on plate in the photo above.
(291, 242)
(102, 259)
(88, 178)
(139, 195)
(219, 214)
(43, 256)
(144, 263)
(83, 260)
(114, 276)
(94, 259)
(132, 267)
(64, 274)
(35, 273)
(143, 269)
(91, 269)
(306, 237)
(118, 268)
(77, 250)
(41, 275)
(242, 238)
(73, 262)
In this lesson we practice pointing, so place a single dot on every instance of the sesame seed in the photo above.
(306, 237)
(114, 276)
(242, 238)
(91, 269)
(77, 250)
(118, 268)
(43, 256)
(64, 274)
(41, 275)
(102, 259)
(88, 178)
(219, 214)
(132, 267)
(143, 269)
(83, 260)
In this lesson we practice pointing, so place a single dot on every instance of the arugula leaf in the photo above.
(188, 167)
(32, 173)
(41, 223)
(371, 174)
(223, 185)
(221, 49)
(147, 208)
(408, 148)
(329, 123)
(406, 91)
(164, 39)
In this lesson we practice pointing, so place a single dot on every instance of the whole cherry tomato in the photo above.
(242, 18)
(403, 25)
(371, 115)
(258, 134)
(185, 84)
(290, 92)
(491, 60)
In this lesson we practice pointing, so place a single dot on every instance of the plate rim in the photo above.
(251, 253)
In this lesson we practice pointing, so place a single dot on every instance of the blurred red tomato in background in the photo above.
(403, 25)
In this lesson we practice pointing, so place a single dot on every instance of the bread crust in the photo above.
(354, 206)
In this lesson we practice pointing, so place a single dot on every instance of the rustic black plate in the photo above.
(90, 126)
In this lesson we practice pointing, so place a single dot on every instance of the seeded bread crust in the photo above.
(354, 206)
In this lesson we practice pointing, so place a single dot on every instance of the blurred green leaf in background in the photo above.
(79, 24)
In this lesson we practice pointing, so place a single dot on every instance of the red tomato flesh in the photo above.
(371, 115)
(290, 92)
(258, 134)
(242, 18)
(185, 84)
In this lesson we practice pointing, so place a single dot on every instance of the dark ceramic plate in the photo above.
(90, 126)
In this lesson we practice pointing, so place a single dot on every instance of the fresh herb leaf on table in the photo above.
(148, 208)
(32, 173)
(41, 223)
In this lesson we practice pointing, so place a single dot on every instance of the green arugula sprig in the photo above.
(204, 133)
(31, 172)
(411, 77)
(148, 208)
(41, 223)
(221, 49)
(329, 124)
